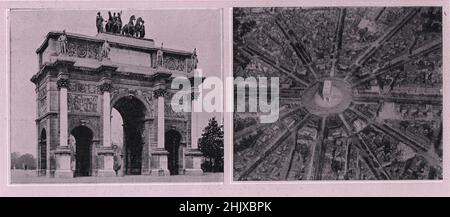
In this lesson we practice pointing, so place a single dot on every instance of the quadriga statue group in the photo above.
(134, 27)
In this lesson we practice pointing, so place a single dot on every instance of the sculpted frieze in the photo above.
(42, 101)
(169, 112)
(174, 63)
(82, 103)
(77, 48)
(42, 105)
(79, 87)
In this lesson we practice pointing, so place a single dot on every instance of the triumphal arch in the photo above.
(82, 78)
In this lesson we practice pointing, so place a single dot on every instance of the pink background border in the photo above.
(228, 188)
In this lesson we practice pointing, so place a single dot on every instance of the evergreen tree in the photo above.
(211, 145)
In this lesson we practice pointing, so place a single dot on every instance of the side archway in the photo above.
(173, 146)
(82, 150)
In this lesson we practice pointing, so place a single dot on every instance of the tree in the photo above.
(15, 160)
(25, 161)
(211, 145)
(28, 161)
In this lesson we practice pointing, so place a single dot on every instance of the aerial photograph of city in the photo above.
(360, 93)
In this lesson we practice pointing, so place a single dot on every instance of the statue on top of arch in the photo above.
(63, 44)
(194, 59)
(106, 48)
(134, 27)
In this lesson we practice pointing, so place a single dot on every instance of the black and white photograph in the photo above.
(224, 107)
(360, 93)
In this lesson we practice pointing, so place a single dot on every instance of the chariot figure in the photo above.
(99, 22)
(62, 40)
(106, 48)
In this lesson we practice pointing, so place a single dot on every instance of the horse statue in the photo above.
(142, 30)
(109, 25)
(139, 28)
(118, 24)
(129, 28)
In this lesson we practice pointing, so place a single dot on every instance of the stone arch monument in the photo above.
(77, 86)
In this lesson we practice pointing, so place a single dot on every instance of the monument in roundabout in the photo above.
(81, 78)
(328, 95)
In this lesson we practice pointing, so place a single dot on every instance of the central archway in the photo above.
(83, 150)
(133, 113)
(172, 145)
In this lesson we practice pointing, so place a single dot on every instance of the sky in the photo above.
(176, 28)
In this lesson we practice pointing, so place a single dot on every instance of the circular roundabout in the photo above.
(327, 96)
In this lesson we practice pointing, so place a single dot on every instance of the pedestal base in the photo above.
(41, 172)
(159, 162)
(106, 173)
(63, 162)
(159, 172)
(195, 159)
(108, 162)
(63, 174)
(193, 172)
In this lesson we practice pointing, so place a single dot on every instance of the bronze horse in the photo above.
(129, 28)
(110, 23)
(118, 23)
(139, 28)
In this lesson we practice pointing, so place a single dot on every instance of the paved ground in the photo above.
(27, 177)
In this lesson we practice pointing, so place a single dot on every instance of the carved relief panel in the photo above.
(190, 65)
(82, 97)
(173, 62)
(42, 101)
(82, 49)
(82, 103)
(168, 110)
(75, 86)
